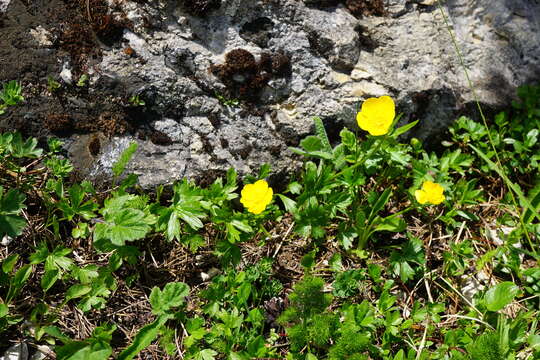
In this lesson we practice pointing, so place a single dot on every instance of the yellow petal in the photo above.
(421, 196)
(376, 115)
(255, 197)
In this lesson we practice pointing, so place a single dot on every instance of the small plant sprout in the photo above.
(135, 100)
(82, 80)
(52, 84)
(225, 101)
(11, 95)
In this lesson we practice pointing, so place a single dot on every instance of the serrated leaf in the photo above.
(173, 295)
(321, 133)
(206, 354)
(124, 225)
(391, 223)
(242, 225)
(11, 225)
(12, 202)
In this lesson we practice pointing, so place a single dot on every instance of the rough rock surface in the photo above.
(191, 124)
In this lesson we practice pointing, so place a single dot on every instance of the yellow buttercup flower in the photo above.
(377, 115)
(431, 193)
(256, 196)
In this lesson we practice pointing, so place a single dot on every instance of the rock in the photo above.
(43, 352)
(16, 352)
(41, 36)
(311, 58)
(4, 5)
(332, 35)
(6, 240)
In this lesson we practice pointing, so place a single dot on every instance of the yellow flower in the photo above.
(256, 196)
(376, 115)
(431, 193)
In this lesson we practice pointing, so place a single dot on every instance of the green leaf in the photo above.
(4, 310)
(186, 206)
(243, 293)
(11, 93)
(11, 225)
(403, 129)
(49, 278)
(312, 143)
(500, 295)
(18, 281)
(95, 348)
(242, 225)
(77, 291)
(321, 133)
(534, 199)
(24, 149)
(290, 205)
(124, 225)
(9, 263)
(206, 354)
(348, 138)
(380, 203)
(11, 204)
(120, 165)
(391, 223)
(144, 337)
(172, 296)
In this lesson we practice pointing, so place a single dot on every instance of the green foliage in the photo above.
(411, 254)
(125, 218)
(136, 100)
(11, 205)
(10, 95)
(95, 347)
(305, 318)
(120, 164)
(52, 84)
(501, 295)
(163, 303)
(405, 293)
(347, 283)
(56, 263)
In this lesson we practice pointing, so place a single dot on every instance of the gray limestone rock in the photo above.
(336, 61)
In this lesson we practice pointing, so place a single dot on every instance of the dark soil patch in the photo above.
(200, 7)
(245, 77)
(358, 8)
